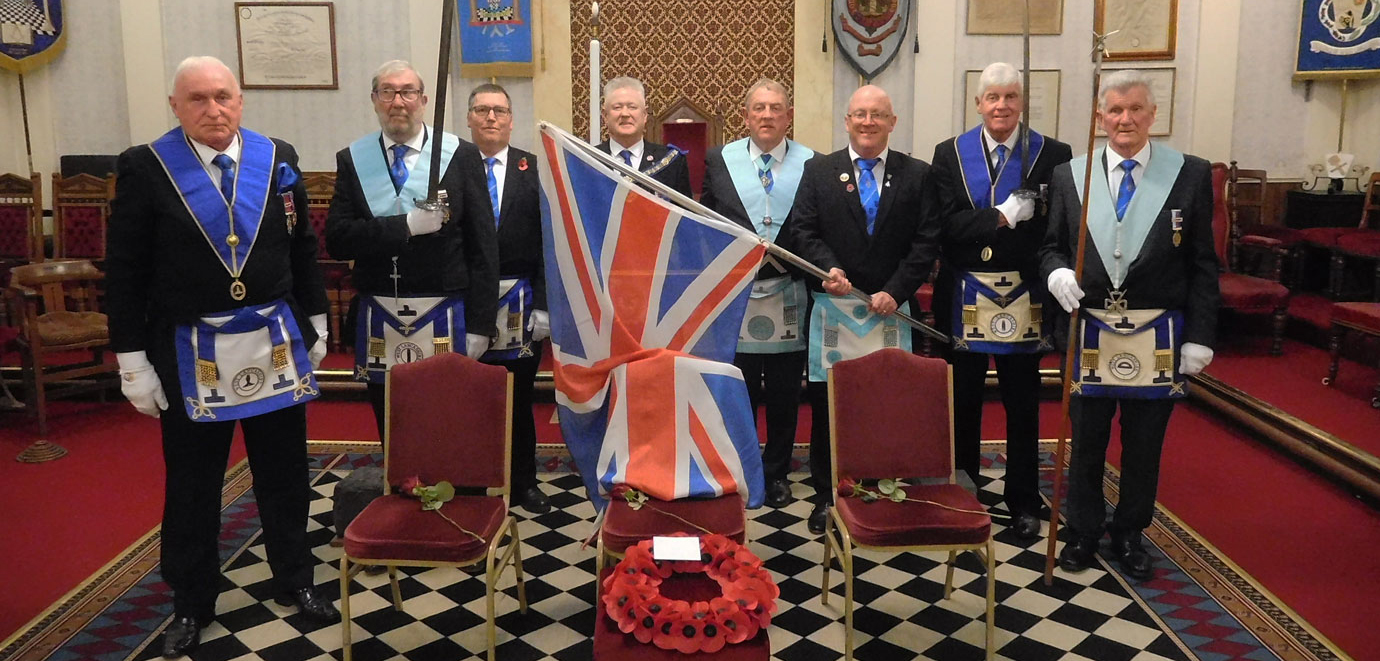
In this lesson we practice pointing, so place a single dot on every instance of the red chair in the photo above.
(1244, 293)
(334, 272)
(21, 222)
(1249, 233)
(1362, 243)
(1359, 317)
(81, 208)
(624, 526)
(434, 439)
(902, 428)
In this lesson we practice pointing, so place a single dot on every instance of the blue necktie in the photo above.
(493, 185)
(627, 157)
(1001, 158)
(867, 188)
(1128, 188)
(227, 176)
(765, 173)
(399, 167)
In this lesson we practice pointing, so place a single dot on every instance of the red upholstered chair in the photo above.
(1359, 317)
(624, 526)
(900, 427)
(1250, 235)
(81, 207)
(21, 222)
(335, 272)
(434, 439)
(1244, 294)
(1362, 243)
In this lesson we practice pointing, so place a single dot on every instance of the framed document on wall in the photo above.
(286, 45)
(1145, 29)
(1043, 101)
(1338, 40)
(1007, 17)
(1162, 86)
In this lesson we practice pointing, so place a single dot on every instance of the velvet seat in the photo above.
(1244, 294)
(886, 523)
(395, 527)
(624, 526)
(1358, 317)
(1250, 234)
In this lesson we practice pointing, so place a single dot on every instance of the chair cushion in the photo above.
(1360, 315)
(1261, 241)
(1365, 244)
(396, 528)
(1324, 236)
(886, 523)
(1246, 292)
(1258, 234)
(64, 327)
(624, 526)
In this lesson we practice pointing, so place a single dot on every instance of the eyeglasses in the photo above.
(875, 115)
(483, 111)
(387, 96)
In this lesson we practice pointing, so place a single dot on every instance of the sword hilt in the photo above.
(438, 204)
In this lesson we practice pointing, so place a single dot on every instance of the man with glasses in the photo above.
(427, 279)
(753, 182)
(514, 209)
(625, 116)
(865, 214)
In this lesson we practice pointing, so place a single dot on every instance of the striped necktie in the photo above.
(398, 170)
(867, 189)
(493, 185)
(1127, 189)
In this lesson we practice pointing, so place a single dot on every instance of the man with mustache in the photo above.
(625, 116)
(211, 280)
(753, 182)
(427, 279)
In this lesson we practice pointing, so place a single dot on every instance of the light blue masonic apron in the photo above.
(841, 328)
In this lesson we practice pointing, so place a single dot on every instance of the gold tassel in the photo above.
(1037, 314)
(969, 315)
(1090, 357)
(440, 345)
(280, 361)
(1164, 360)
(375, 347)
(206, 373)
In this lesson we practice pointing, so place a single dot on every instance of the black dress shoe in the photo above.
(1026, 527)
(311, 605)
(181, 637)
(816, 522)
(1132, 557)
(779, 493)
(1078, 554)
(532, 500)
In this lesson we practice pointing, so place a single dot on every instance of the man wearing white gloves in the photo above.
(989, 296)
(427, 279)
(1148, 299)
(514, 208)
(211, 276)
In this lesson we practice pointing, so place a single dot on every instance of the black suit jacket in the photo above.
(721, 195)
(1162, 276)
(161, 271)
(829, 226)
(519, 227)
(459, 260)
(676, 174)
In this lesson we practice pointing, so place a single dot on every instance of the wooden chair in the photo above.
(431, 438)
(1357, 317)
(1361, 244)
(81, 209)
(1245, 294)
(55, 303)
(21, 220)
(335, 272)
(1274, 245)
(884, 430)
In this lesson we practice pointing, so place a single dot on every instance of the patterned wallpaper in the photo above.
(709, 51)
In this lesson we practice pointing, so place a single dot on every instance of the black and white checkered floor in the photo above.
(901, 613)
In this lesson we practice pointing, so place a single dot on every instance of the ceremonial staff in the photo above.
(436, 198)
(714, 216)
(1099, 49)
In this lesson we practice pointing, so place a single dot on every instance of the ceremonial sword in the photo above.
(435, 197)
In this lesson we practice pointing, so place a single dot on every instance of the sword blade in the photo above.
(438, 122)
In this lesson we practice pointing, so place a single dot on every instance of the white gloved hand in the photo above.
(1193, 358)
(1016, 209)
(540, 325)
(421, 221)
(139, 383)
(1064, 287)
(318, 350)
(475, 345)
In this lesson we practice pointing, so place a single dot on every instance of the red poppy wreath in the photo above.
(633, 599)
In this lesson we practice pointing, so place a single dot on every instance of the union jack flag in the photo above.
(646, 300)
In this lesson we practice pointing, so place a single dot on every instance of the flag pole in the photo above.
(717, 218)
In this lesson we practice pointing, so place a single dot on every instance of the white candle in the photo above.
(594, 114)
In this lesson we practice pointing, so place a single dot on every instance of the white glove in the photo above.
(421, 221)
(139, 383)
(318, 350)
(1065, 289)
(475, 345)
(1193, 358)
(540, 325)
(1016, 209)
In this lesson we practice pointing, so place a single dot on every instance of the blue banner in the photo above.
(1338, 40)
(495, 38)
(31, 33)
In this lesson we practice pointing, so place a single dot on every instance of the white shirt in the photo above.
(992, 143)
(1115, 173)
(778, 154)
(616, 149)
(878, 170)
(414, 148)
(206, 153)
(500, 170)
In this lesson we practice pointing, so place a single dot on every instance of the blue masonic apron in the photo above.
(514, 311)
(994, 311)
(774, 320)
(395, 330)
(842, 328)
(251, 360)
(1123, 351)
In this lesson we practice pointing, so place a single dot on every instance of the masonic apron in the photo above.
(841, 328)
(514, 311)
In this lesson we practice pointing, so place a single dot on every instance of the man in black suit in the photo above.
(514, 208)
(210, 277)
(625, 116)
(989, 296)
(753, 182)
(1149, 317)
(427, 278)
(865, 214)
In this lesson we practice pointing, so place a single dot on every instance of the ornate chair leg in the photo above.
(1334, 346)
(1279, 321)
(1335, 272)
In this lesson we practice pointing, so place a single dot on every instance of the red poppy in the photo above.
(647, 612)
(408, 484)
(619, 492)
(847, 487)
(622, 600)
(668, 624)
(737, 626)
(522, 164)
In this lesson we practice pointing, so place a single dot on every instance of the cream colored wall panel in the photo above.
(815, 122)
(551, 95)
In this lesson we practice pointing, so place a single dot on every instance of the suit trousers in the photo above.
(1018, 376)
(773, 381)
(524, 464)
(821, 463)
(194, 455)
(1143, 424)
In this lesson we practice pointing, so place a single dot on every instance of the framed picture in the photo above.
(1145, 29)
(1162, 86)
(1338, 40)
(1042, 101)
(998, 17)
(286, 45)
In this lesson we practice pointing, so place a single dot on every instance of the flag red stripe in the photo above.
(716, 464)
(572, 234)
(727, 287)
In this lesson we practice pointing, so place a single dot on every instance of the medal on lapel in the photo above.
(522, 164)
(1176, 223)
(290, 211)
